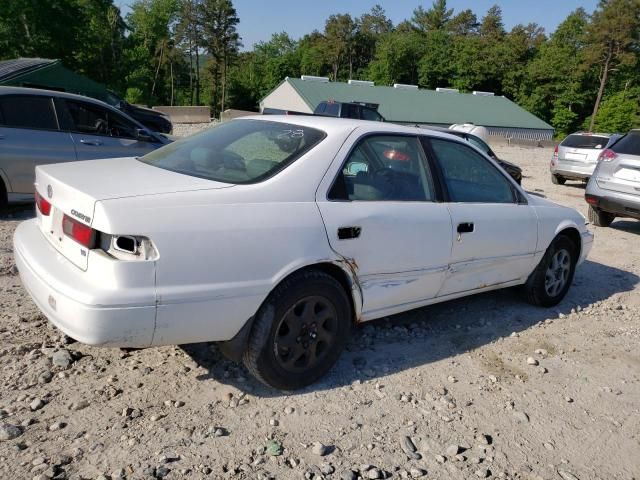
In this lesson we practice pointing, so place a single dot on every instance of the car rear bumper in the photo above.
(50, 279)
(570, 169)
(622, 205)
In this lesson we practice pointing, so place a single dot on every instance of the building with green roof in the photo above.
(409, 105)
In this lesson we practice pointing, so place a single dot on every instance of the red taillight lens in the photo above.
(79, 232)
(607, 156)
(43, 205)
(555, 152)
(591, 200)
(396, 155)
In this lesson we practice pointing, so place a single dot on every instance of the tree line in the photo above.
(584, 75)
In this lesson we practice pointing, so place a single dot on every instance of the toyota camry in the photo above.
(274, 235)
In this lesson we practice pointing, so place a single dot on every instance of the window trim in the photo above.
(517, 197)
(429, 169)
(53, 109)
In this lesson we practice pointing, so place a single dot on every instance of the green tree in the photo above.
(435, 18)
(612, 41)
(619, 112)
(339, 32)
(222, 42)
(396, 57)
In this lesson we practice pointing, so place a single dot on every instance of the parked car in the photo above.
(614, 188)
(274, 235)
(153, 120)
(511, 168)
(356, 110)
(576, 156)
(38, 127)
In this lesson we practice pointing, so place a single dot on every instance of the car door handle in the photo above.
(346, 233)
(466, 227)
(95, 143)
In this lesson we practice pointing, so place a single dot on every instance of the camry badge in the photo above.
(49, 191)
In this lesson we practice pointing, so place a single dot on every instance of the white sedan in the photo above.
(274, 235)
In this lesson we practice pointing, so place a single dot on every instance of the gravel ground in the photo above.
(483, 387)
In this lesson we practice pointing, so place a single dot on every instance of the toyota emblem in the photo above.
(49, 191)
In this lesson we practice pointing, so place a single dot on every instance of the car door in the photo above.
(382, 214)
(100, 132)
(29, 136)
(494, 230)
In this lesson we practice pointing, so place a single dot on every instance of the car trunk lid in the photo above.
(621, 175)
(581, 149)
(72, 190)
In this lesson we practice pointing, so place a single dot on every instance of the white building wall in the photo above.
(285, 97)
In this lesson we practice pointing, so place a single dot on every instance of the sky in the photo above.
(261, 18)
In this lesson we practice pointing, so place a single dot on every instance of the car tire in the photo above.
(551, 280)
(557, 179)
(600, 218)
(306, 312)
(4, 199)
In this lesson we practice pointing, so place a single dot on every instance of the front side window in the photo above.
(384, 168)
(28, 111)
(94, 120)
(468, 176)
(239, 151)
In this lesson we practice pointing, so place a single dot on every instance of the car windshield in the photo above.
(239, 151)
(585, 141)
(629, 144)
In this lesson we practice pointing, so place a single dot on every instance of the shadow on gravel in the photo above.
(425, 335)
(629, 226)
(19, 212)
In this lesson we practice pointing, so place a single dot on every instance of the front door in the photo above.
(99, 132)
(494, 231)
(381, 213)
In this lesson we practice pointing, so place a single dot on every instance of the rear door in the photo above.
(494, 231)
(382, 213)
(29, 136)
(100, 132)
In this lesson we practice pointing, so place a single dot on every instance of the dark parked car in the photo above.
(152, 119)
(513, 170)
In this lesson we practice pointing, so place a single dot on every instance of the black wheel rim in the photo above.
(305, 334)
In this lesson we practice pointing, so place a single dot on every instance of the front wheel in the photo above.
(550, 281)
(600, 218)
(299, 332)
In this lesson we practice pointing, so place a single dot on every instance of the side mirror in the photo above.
(144, 135)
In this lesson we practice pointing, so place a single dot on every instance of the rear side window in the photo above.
(469, 177)
(585, 141)
(240, 151)
(384, 168)
(332, 109)
(28, 111)
(629, 144)
(372, 115)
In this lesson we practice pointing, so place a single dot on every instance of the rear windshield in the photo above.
(629, 144)
(240, 151)
(585, 141)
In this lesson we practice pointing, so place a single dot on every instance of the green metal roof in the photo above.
(423, 106)
(46, 73)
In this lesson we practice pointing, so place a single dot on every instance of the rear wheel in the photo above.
(600, 218)
(557, 179)
(299, 332)
(550, 281)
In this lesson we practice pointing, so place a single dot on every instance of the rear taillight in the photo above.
(554, 158)
(591, 200)
(43, 205)
(607, 156)
(79, 232)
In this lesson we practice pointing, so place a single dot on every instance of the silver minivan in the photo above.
(40, 126)
(614, 188)
(576, 156)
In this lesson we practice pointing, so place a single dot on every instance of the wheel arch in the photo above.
(572, 232)
(343, 271)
